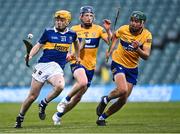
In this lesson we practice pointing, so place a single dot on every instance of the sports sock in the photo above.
(60, 114)
(103, 116)
(44, 102)
(21, 115)
(68, 98)
(106, 100)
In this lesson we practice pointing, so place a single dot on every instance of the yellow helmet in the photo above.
(63, 14)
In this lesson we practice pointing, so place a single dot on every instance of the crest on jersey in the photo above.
(149, 40)
(86, 34)
(93, 34)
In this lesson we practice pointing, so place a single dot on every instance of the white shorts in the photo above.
(43, 71)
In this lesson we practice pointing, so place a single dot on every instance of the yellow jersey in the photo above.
(92, 38)
(124, 54)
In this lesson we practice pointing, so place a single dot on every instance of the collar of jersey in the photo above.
(66, 30)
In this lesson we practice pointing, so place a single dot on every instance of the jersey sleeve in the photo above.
(75, 37)
(43, 39)
(148, 41)
(118, 32)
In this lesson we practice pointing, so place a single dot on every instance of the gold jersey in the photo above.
(124, 54)
(91, 38)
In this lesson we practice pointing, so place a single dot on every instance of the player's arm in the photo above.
(34, 50)
(143, 51)
(82, 43)
(111, 48)
(77, 50)
(107, 27)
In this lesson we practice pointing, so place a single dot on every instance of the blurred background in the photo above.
(20, 17)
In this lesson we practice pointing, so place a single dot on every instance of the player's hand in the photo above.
(78, 60)
(107, 24)
(70, 57)
(27, 57)
(135, 45)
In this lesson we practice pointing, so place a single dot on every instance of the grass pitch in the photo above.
(155, 117)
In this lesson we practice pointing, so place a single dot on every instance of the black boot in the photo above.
(19, 120)
(42, 114)
(102, 105)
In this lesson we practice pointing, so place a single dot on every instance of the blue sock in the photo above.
(105, 100)
(44, 102)
(60, 114)
(104, 115)
(68, 98)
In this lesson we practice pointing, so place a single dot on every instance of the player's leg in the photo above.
(33, 94)
(53, 73)
(119, 77)
(125, 79)
(79, 74)
(62, 109)
(79, 86)
(58, 83)
(120, 102)
(75, 100)
(115, 106)
(120, 91)
(81, 81)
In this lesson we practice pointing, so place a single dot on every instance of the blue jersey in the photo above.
(56, 45)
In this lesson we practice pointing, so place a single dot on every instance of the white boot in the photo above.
(61, 106)
(56, 119)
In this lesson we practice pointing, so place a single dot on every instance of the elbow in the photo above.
(145, 57)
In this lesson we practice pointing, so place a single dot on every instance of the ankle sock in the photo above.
(68, 98)
(106, 100)
(44, 102)
(60, 114)
(103, 116)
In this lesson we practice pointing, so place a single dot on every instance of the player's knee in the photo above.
(122, 92)
(59, 87)
(83, 83)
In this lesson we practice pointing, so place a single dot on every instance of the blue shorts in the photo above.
(89, 73)
(130, 73)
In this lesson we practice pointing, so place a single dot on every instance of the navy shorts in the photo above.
(130, 73)
(89, 73)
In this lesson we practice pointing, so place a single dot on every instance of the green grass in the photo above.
(133, 118)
